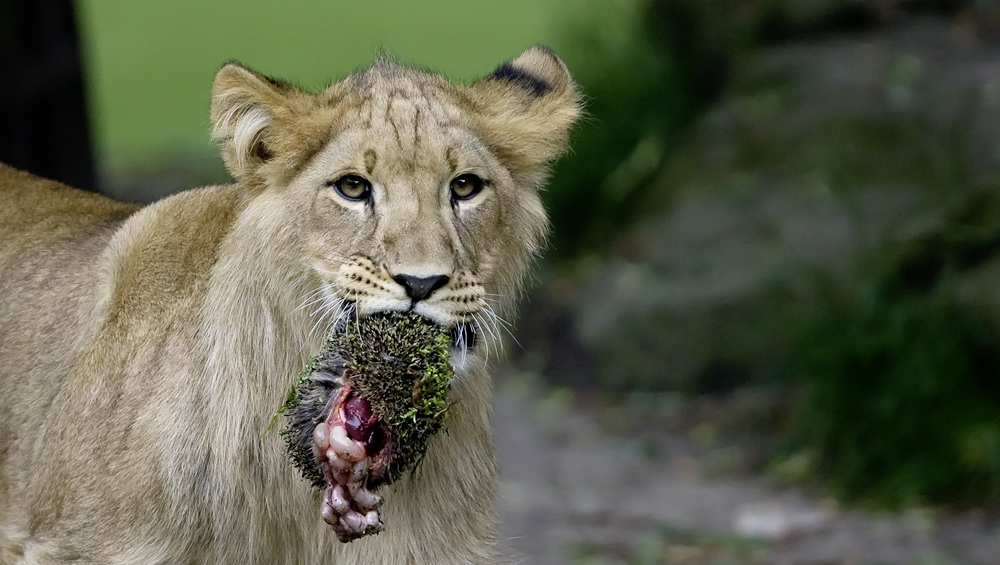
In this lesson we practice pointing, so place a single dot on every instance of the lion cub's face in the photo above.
(402, 190)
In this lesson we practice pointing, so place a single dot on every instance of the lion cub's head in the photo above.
(403, 190)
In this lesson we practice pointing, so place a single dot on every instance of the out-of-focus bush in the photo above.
(807, 227)
(900, 378)
(647, 73)
(903, 401)
(649, 70)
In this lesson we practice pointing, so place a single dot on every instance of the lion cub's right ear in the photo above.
(527, 107)
(248, 114)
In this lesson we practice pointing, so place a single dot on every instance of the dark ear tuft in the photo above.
(525, 110)
(538, 72)
(509, 72)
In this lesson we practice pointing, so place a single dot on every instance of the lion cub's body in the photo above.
(144, 351)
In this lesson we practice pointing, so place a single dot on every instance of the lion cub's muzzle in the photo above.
(455, 301)
(463, 334)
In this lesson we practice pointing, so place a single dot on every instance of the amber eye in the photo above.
(466, 186)
(353, 187)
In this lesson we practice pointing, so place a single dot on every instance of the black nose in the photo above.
(419, 288)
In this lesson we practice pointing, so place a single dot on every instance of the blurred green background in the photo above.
(150, 64)
(786, 211)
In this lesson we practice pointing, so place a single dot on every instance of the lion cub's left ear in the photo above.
(528, 106)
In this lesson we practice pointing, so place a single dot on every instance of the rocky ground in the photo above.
(577, 491)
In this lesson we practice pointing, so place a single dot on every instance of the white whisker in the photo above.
(463, 344)
(313, 297)
(486, 341)
(312, 301)
(324, 312)
(325, 308)
(482, 317)
(500, 322)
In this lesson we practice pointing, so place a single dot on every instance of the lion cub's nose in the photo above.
(419, 288)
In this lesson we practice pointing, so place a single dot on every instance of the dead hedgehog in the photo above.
(362, 411)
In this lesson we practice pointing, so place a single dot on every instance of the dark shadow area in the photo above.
(43, 114)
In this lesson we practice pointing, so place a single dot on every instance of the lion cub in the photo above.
(143, 351)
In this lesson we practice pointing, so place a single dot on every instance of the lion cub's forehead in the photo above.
(388, 93)
(417, 118)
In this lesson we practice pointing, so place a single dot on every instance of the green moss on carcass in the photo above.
(399, 363)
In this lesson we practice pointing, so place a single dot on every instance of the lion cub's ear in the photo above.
(528, 106)
(248, 110)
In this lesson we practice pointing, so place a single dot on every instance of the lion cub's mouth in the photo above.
(353, 448)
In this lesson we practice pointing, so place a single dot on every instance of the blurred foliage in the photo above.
(902, 399)
(648, 73)
(897, 367)
(650, 69)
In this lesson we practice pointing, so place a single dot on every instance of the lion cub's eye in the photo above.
(353, 187)
(464, 187)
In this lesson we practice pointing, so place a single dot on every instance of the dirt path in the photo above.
(572, 494)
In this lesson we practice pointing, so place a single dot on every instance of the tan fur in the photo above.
(144, 351)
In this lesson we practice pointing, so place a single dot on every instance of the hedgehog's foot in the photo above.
(353, 451)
